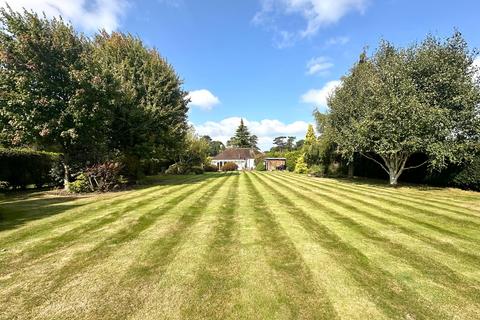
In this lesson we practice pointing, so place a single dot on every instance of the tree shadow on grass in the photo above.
(16, 213)
(20, 207)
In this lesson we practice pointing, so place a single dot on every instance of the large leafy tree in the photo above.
(53, 95)
(214, 146)
(401, 101)
(243, 138)
(150, 114)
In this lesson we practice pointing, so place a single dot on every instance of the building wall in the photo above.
(242, 164)
(271, 165)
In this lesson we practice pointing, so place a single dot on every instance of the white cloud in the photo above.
(337, 41)
(316, 13)
(319, 65)
(89, 15)
(266, 129)
(203, 99)
(476, 64)
(319, 97)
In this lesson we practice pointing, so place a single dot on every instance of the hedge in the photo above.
(20, 168)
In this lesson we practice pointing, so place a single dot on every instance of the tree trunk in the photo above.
(350, 169)
(66, 175)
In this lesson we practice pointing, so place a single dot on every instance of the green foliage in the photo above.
(292, 158)
(242, 138)
(214, 147)
(194, 151)
(310, 137)
(80, 185)
(150, 114)
(210, 168)
(229, 166)
(301, 165)
(283, 144)
(54, 95)
(260, 166)
(316, 170)
(22, 167)
(468, 177)
(402, 101)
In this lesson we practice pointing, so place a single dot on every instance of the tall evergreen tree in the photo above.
(242, 138)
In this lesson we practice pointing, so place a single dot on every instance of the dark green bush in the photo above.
(22, 167)
(197, 170)
(80, 185)
(210, 168)
(229, 166)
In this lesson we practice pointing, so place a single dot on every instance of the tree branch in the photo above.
(413, 167)
(373, 159)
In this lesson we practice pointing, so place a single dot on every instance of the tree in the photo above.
(194, 150)
(299, 144)
(215, 147)
(310, 137)
(242, 138)
(301, 165)
(150, 115)
(290, 144)
(53, 95)
(401, 101)
(279, 144)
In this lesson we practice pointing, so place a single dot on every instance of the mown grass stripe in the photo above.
(430, 268)
(75, 234)
(217, 278)
(90, 209)
(392, 296)
(107, 247)
(383, 212)
(414, 194)
(155, 260)
(304, 298)
(420, 205)
(429, 214)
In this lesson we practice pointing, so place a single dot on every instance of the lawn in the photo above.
(242, 246)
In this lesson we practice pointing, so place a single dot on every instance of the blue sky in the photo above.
(270, 62)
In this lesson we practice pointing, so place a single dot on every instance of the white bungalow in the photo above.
(244, 158)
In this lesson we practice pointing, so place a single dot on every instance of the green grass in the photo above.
(242, 246)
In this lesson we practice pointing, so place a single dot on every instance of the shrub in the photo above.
(210, 168)
(292, 158)
(105, 176)
(229, 166)
(197, 170)
(80, 185)
(316, 170)
(301, 165)
(260, 166)
(22, 167)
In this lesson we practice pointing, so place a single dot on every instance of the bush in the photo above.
(103, 177)
(197, 170)
(22, 167)
(316, 170)
(301, 165)
(80, 185)
(260, 166)
(292, 158)
(210, 168)
(229, 166)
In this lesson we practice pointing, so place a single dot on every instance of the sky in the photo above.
(270, 62)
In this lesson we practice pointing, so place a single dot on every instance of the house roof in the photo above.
(235, 154)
